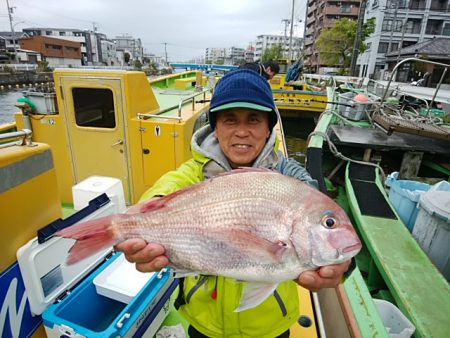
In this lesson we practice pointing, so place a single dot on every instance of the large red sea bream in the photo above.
(256, 226)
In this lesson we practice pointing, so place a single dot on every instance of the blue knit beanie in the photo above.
(243, 88)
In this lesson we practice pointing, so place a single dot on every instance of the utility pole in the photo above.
(10, 10)
(290, 36)
(286, 23)
(394, 26)
(358, 37)
(165, 52)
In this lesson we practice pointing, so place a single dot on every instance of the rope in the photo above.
(338, 154)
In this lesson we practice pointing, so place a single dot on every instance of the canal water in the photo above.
(296, 129)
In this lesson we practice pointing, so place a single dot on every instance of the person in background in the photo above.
(242, 117)
(267, 69)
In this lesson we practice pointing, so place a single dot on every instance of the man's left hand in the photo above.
(326, 277)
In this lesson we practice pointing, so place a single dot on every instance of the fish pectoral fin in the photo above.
(254, 294)
(180, 273)
(258, 247)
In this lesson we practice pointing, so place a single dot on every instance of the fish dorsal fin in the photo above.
(254, 294)
(156, 204)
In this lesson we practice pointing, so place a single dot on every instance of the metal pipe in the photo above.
(435, 93)
(23, 136)
(408, 60)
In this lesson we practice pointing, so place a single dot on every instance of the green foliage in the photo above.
(8, 69)
(272, 53)
(166, 71)
(44, 67)
(336, 44)
(367, 30)
(137, 65)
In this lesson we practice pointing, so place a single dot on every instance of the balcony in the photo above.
(341, 11)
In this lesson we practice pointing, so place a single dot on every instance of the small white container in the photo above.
(94, 186)
(396, 323)
(121, 281)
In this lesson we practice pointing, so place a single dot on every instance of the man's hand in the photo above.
(326, 277)
(148, 257)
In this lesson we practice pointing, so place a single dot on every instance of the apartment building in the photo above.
(128, 49)
(322, 14)
(57, 52)
(96, 49)
(215, 55)
(400, 24)
(264, 42)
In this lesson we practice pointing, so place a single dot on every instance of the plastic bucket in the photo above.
(432, 227)
(396, 323)
(404, 196)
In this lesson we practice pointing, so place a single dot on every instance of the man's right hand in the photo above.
(148, 257)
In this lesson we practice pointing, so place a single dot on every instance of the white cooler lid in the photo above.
(44, 272)
(437, 203)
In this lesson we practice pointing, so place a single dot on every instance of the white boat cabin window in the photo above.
(94, 107)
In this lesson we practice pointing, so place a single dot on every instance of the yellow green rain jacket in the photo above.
(210, 300)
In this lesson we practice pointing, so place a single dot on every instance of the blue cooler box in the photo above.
(101, 296)
(404, 196)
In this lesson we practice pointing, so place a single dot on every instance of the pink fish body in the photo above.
(256, 226)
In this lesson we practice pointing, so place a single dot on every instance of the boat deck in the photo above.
(399, 258)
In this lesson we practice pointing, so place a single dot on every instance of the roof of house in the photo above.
(436, 48)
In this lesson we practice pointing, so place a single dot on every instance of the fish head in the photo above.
(324, 233)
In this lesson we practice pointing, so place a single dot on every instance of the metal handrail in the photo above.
(22, 137)
(183, 101)
(417, 60)
(179, 106)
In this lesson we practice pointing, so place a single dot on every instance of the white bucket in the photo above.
(396, 323)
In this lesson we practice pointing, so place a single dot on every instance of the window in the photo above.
(383, 47)
(389, 25)
(434, 27)
(446, 30)
(48, 32)
(62, 33)
(413, 26)
(346, 8)
(94, 107)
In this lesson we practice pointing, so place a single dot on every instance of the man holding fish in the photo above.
(240, 134)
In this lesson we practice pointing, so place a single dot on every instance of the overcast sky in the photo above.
(187, 26)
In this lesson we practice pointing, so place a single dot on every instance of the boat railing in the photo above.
(16, 138)
(179, 106)
(394, 71)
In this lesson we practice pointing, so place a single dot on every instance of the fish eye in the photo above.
(329, 222)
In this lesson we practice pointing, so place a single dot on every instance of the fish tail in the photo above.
(91, 237)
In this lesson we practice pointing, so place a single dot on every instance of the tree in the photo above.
(335, 44)
(272, 53)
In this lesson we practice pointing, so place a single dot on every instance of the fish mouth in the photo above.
(351, 249)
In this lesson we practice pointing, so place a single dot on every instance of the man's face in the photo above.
(242, 134)
(270, 72)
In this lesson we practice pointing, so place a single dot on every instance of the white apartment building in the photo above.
(128, 49)
(399, 24)
(264, 42)
(234, 55)
(215, 55)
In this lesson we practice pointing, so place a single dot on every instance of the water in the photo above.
(296, 130)
(7, 108)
